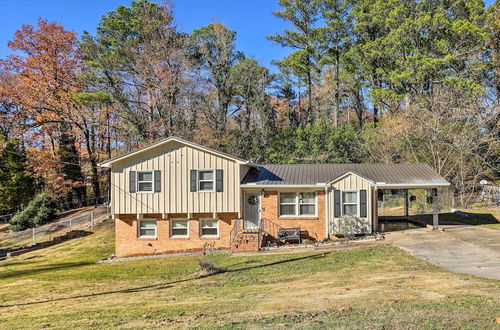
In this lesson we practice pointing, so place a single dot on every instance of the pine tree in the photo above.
(215, 49)
(71, 168)
(16, 183)
(337, 37)
(306, 39)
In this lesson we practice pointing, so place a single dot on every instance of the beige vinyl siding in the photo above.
(351, 182)
(175, 160)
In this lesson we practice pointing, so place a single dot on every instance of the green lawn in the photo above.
(371, 287)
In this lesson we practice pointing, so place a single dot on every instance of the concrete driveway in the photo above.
(464, 249)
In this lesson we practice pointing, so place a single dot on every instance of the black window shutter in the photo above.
(219, 177)
(132, 180)
(157, 181)
(193, 180)
(336, 203)
(362, 203)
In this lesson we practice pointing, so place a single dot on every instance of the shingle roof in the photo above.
(312, 174)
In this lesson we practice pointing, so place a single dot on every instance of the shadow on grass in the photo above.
(167, 285)
(56, 240)
(42, 269)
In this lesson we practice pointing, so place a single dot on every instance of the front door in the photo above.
(252, 207)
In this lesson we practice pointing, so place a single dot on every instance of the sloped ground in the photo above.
(369, 287)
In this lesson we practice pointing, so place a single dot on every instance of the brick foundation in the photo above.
(312, 228)
(128, 244)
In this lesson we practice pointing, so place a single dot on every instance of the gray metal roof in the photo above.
(312, 174)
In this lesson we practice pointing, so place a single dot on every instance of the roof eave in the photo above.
(250, 185)
(340, 177)
(411, 185)
(179, 140)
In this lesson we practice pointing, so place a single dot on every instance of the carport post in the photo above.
(435, 217)
(406, 202)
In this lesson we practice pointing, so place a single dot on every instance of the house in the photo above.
(176, 196)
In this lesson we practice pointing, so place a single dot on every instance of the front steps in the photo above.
(246, 241)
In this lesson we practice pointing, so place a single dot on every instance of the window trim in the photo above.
(152, 182)
(171, 225)
(198, 181)
(297, 205)
(342, 203)
(201, 228)
(139, 228)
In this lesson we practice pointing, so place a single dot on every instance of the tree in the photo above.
(337, 37)
(16, 182)
(250, 81)
(306, 40)
(70, 166)
(39, 211)
(215, 48)
(319, 143)
(403, 50)
(451, 134)
(45, 71)
(493, 25)
(140, 59)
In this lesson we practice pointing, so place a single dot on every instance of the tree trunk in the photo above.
(337, 84)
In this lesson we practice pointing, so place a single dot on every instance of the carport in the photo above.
(410, 203)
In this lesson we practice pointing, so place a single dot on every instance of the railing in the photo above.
(266, 227)
(236, 229)
(269, 227)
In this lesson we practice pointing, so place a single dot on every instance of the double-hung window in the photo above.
(147, 228)
(145, 181)
(307, 203)
(297, 204)
(288, 204)
(179, 228)
(206, 180)
(350, 203)
(209, 228)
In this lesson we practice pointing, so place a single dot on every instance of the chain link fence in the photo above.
(53, 232)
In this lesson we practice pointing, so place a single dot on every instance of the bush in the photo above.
(209, 262)
(39, 211)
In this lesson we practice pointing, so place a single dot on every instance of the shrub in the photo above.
(39, 211)
(210, 260)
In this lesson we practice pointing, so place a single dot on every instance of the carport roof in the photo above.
(382, 175)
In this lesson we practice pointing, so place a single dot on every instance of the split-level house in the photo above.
(176, 196)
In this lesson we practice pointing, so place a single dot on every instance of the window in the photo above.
(147, 228)
(206, 180)
(307, 203)
(287, 203)
(209, 228)
(298, 204)
(350, 203)
(145, 181)
(180, 228)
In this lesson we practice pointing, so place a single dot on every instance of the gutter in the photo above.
(249, 185)
(409, 185)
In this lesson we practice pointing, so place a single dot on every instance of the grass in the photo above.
(371, 287)
(488, 218)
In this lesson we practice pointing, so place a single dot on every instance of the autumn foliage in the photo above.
(357, 86)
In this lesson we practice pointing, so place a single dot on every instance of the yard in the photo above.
(370, 287)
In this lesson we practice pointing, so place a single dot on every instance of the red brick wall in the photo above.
(128, 244)
(312, 228)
